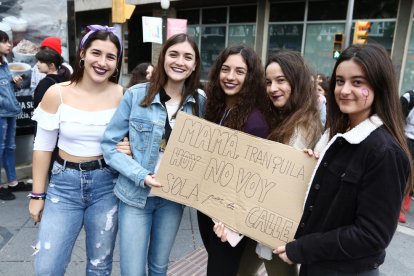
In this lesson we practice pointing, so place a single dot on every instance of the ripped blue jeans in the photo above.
(75, 199)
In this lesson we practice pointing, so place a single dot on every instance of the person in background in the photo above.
(322, 86)
(80, 191)
(9, 109)
(236, 99)
(148, 224)
(49, 62)
(53, 43)
(141, 73)
(355, 194)
(295, 122)
(407, 104)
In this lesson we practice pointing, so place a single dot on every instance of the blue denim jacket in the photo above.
(9, 106)
(145, 127)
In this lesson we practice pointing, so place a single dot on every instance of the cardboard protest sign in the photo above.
(254, 186)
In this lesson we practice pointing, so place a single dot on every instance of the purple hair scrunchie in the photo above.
(94, 28)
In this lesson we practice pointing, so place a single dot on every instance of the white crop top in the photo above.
(80, 132)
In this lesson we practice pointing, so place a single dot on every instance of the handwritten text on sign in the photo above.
(253, 185)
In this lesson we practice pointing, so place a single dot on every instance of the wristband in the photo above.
(37, 196)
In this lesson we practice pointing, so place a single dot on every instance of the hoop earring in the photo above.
(115, 74)
(81, 63)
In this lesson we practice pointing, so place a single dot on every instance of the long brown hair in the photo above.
(379, 70)
(301, 109)
(159, 76)
(252, 94)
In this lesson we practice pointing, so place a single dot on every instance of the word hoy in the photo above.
(184, 159)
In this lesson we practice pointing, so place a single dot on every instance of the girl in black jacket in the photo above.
(354, 199)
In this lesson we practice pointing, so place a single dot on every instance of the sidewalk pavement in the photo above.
(188, 257)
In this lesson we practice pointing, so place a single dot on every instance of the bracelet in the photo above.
(37, 196)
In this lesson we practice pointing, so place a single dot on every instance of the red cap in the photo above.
(53, 43)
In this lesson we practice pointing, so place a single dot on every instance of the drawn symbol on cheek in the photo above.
(365, 94)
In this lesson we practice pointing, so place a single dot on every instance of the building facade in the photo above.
(307, 26)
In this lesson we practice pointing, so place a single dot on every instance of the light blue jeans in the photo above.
(7, 146)
(75, 199)
(147, 236)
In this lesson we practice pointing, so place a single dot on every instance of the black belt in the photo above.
(82, 166)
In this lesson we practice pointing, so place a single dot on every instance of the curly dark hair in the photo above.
(301, 110)
(252, 94)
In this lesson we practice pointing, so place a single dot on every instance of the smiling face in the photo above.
(180, 62)
(353, 94)
(277, 86)
(100, 60)
(232, 75)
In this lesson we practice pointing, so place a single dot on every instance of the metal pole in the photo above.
(164, 25)
(348, 24)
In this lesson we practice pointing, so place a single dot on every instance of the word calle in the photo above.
(269, 223)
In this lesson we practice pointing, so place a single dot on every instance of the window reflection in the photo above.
(319, 46)
(285, 36)
(242, 34)
(213, 40)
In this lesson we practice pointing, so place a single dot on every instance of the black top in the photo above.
(353, 204)
(44, 85)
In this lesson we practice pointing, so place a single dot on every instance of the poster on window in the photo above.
(27, 23)
(176, 26)
(152, 29)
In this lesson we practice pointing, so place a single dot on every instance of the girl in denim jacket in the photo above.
(148, 224)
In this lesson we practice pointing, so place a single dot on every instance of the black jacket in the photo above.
(353, 204)
(44, 85)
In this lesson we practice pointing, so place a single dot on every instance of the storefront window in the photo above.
(408, 78)
(319, 46)
(328, 10)
(213, 40)
(285, 36)
(243, 14)
(194, 32)
(380, 32)
(242, 34)
(214, 16)
(287, 12)
(192, 16)
(367, 9)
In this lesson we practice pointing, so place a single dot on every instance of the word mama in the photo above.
(202, 136)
